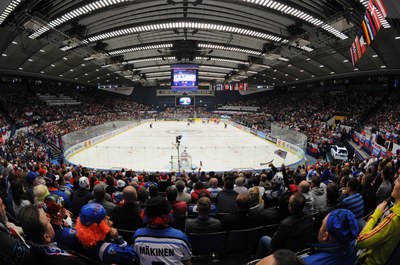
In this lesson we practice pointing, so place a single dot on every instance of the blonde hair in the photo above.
(39, 193)
(254, 195)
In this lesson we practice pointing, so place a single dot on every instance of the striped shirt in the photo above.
(355, 204)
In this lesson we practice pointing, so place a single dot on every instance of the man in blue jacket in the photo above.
(336, 239)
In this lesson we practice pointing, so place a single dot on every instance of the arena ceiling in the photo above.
(267, 42)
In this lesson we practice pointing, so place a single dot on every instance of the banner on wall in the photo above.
(370, 147)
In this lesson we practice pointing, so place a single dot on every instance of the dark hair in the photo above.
(283, 204)
(353, 184)
(110, 181)
(316, 181)
(172, 193)
(368, 179)
(345, 180)
(332, 193)
(386, 173)
(142, 194)
(298, 203)
(199, 185)
(153, 190)
(228, 185)
(287, 257)
(17, 188)
(29, 217)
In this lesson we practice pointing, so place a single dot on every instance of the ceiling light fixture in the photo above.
(228, 48)
(83, 10)
(221, 60)
(184, 25)
(9, 8)
(141, 48)
(300, 15)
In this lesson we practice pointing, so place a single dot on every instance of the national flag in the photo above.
(352, 55)
(363, 45)
(281, 153)
(374, 14)
(226, 86)
(371, 31)
(236, 86)
(231, 86)
(358, 47)
(381, 7)
(354, 51)
(365, 32)
(3, 131)
(241, 87)
(245, 86)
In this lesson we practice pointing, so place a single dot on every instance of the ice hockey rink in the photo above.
(210, 147)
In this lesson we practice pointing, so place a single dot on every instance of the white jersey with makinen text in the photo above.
(166, 245)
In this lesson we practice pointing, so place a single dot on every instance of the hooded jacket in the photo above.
(319, 195)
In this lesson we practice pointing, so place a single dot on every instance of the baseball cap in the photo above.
(84, 183)
(100, 188)
(42, 171)
(51, 178)
(120, 183)
(31, 176)
(92, 213)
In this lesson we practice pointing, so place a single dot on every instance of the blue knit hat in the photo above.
(92, 213)
(342, 225)
(31, 176)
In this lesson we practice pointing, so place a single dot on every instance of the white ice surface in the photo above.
(151, 149)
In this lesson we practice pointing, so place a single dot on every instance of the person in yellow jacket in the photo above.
(381, 234)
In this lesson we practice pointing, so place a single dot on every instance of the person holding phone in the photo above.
(381, 234)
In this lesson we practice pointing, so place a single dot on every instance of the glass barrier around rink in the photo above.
(91, 132)
(283, 132)
(218, 158)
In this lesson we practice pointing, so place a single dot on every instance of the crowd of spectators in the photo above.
(386, 121)
(183, 113)
(308, 113)
(308, 199)
(85, 208)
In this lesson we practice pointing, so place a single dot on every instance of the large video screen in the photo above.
(184, 77)
(184, 101)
